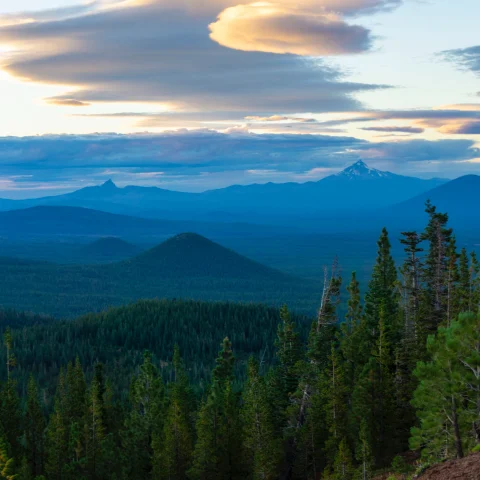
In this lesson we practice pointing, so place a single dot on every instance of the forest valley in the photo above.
(400, 372)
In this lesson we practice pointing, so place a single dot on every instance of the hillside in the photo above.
(190, 255)
(467, 468)
(186, 266)
(51, 221)
(458, 198)
(109, 249)
(119, 337)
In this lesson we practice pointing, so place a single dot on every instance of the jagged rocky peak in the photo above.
(361, 169)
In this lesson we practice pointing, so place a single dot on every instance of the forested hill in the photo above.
(118, 338)
(191, 255)
(186, 266)
(109, 248)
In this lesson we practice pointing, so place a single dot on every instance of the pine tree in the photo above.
(343, 465)
(334, 394)
(464, 342)
(10, 421)
(217, 453)
(6, 463)
(364, 454)
(435, 276)
(351, 333)
(373, 399)
(263, 448)
(439, 402)
(94, 428)
(284, 377)
(145, 419)
(10, 416)
(474, 305)
(173, 451)
(382, 294)
(452, 278)
(34, 430)
(412, 273)
(464, 283)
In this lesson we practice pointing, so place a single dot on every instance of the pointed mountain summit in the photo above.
(109, 185)
(361, 170)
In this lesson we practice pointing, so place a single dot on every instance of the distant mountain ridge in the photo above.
(356, 187)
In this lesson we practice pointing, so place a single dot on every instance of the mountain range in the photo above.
(356, 187)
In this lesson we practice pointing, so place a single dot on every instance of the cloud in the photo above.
(160, 52)
(280, 118)
(416, 151)
(395, 129)
(66, 102)
(464, 58)
(467, 128)
(266, 27)
(203, 159)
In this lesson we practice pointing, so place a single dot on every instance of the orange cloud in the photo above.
(266, 27)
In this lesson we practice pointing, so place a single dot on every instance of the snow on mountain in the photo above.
(361, 169)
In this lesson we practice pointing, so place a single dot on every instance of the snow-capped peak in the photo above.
(361, 169)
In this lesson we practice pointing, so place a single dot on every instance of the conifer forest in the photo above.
(384, 378)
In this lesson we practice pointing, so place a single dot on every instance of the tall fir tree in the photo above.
(435, 274)
(382, 294)
(34, 431)
(263, 449)
(145, 419)
(217, 453)
(172, 451)
(363, 454)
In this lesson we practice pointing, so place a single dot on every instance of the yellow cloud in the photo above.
(266, 27)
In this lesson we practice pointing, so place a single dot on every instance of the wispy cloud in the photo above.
(465, 58)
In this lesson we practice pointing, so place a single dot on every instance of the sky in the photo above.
(193, 95)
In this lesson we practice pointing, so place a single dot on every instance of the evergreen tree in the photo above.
(350, 331)
(217, 453)
(145, 419)
(435, 273)
(263, 448)
(373, 399)
(382, 294)
(173, 451)
(6, 463)
(283, 379)
(364, 454)
(34, 431)
(94, 429)
(452, 277)
(343, 465)
(465, 286)
(334, 394)
(439, 400)
(474, 305)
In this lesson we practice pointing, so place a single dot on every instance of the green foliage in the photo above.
(6, 463)
(447, 396)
